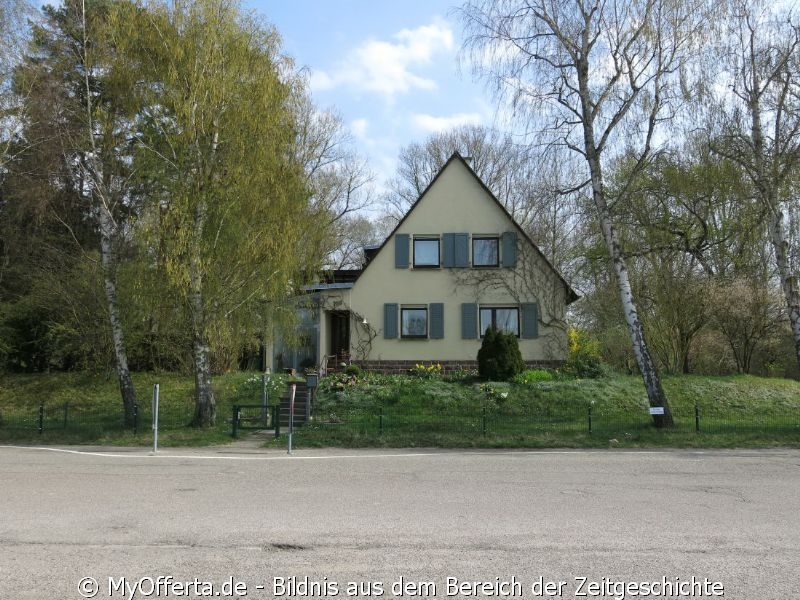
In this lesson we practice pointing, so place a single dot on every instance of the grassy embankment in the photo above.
(411, 411)
(93, 409)
(406, 411)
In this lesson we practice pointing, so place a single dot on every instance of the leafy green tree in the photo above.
(229, 216)
(78, 115)
(686, 222)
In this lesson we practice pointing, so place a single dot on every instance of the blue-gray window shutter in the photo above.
(456, 250)
(449, 243)
(436, 311)
(530, 321)
(461, 244)
(509, 242)
(390, 321)
(469, 321)
(401, 250)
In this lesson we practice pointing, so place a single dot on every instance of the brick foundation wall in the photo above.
(399, 367)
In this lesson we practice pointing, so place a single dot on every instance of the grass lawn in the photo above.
(399, 411)
(406, 411)
(92, 407)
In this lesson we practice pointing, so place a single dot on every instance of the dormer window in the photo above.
(485, 251)
(426, 253)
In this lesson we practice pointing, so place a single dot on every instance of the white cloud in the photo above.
(359, 128)
(386, 67)
(431, 124)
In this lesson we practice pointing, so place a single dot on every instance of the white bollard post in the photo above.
(292, 389)
(264, 397)
(155, 418)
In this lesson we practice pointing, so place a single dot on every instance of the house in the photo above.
(456, 264)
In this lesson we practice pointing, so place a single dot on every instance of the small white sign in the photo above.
(656, 410)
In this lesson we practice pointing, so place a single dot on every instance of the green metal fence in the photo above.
(514, 425)
(72, 417)
(490, 425)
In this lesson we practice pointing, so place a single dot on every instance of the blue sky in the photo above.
(390, 69)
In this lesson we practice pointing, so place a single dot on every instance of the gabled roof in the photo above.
(572, 295)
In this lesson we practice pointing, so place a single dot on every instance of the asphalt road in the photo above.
(249, 521)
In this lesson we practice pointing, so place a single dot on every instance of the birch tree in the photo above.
(595, 76)
(77, 98)
(229, 207)
(758, 126)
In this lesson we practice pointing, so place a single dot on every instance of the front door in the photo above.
(340, 333)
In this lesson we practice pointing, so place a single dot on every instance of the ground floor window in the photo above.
(414, 322)
(500, 319)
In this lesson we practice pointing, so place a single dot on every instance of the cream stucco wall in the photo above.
(456, 203)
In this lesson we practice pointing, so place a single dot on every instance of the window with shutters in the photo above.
(505, 319)
(485, 251)
(426, 253)
(414, 322)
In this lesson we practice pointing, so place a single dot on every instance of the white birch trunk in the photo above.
(652, 380)
(108, 263)
(788, 280)
(205, 404)
(766, 187)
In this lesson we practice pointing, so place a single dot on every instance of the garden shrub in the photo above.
(531, 376)
(354, 370)
(249, 390)
(499, 358)
(584, 358)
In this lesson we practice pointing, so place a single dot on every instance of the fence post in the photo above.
(135, 419)
(235, 420)
(590, 420)
(380, 422)
(484, 420)
(66, 412)
(276, 418)
(696, 418)
(41, 418)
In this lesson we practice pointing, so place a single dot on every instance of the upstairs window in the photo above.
(500, 319)
(485, 252)
(426, 252)
(414, 322)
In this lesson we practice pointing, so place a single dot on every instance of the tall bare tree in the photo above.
(759, 126)
(596, 76)
(338, 179)
(13, 36)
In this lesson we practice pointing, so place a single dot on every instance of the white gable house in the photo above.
(456, 264)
